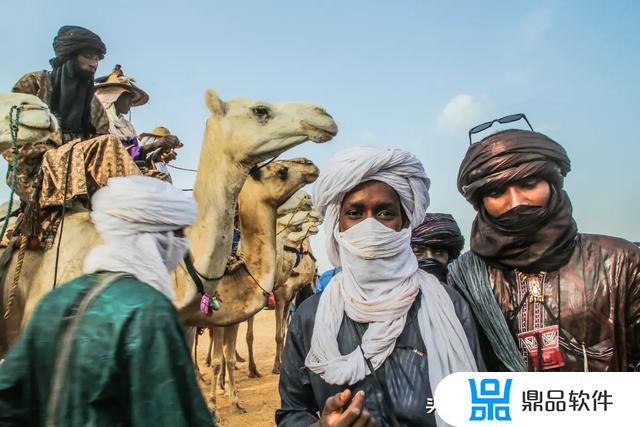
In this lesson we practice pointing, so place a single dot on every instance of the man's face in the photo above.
(424, 252)
(372, 199)
(123, 103)
(531, 191)
(88, 61)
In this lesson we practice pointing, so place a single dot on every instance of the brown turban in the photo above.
(509, 156)
(530, 238)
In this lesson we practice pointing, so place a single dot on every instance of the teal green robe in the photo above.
(130, 364)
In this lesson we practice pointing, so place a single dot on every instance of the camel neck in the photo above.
(258, 241)
(218, 182)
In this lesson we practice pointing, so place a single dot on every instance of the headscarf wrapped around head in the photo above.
(380, 279)
(400, 169)
(72, 88)
(136, 217)
(509, 156)
(71, 39)
(439, 230)
(530, 238)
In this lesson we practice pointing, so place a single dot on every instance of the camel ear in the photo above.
(214, 103)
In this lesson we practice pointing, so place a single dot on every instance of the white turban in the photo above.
(400, 169)
(136, 217)
(380, 279)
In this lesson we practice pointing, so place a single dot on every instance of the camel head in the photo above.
(292, 220)
(314, 220)
(253, 131)
(274, 183)
(305, 230)
(300, 201)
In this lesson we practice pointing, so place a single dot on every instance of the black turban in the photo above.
(439, 230)
(510, 156)
(72, 39)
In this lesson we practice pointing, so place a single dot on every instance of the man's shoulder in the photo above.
(132, 289)
(608, 246)
(124, 288)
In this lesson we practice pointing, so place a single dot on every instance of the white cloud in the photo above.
(461, 113)
(534, 25)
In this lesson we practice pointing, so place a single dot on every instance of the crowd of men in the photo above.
(400, 310)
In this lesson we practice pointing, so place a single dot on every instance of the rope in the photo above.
(246, 268)
(293, 214)
(16, 277)
(182, 169)
(14, 124)
(252, 170)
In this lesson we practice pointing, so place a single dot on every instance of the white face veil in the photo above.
(380, 279)
(137, 218)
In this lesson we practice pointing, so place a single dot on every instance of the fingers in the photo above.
(171, 155)
(172, 141)
(352, 414)
(336, 402)
(365, 419)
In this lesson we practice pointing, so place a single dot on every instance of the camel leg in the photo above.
(279, 313)
(239, 358)
(222, 378)
(192, 342)
(208, 362)
(253, 370)
(216, 365)
(230, 337)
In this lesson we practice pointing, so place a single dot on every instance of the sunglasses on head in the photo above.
(506, 119)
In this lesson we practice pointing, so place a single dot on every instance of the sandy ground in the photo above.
(259, 396)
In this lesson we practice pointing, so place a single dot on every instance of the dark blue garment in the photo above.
(236, 241)
(405, 372)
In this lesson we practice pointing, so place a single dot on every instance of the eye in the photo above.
(283, 173)
(352, 213)
(387, 214)
(261, 112)
(496, 192)
(440, 252)
(529, 183)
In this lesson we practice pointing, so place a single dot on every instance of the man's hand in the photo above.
(168, 142)
(333, 414)
(167, 156)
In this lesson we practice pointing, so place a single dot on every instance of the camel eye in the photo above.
(261, 112)
(283, 173)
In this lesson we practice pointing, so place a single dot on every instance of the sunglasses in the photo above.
(506, 119)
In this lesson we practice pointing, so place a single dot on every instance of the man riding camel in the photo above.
(49, 174)
(157, 156)
(118, 94)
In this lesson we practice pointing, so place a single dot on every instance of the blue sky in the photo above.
(409, 74)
